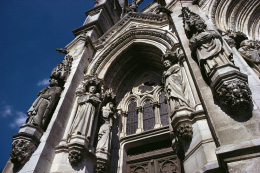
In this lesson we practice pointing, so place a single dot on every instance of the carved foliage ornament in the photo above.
(21, 151)
(235, 95)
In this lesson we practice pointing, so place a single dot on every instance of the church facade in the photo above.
(173, 87)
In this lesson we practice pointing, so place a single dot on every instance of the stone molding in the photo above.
(123, 39)
(150, 17)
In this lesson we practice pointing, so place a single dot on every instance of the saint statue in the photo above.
(250, 51)
(44, 105)
(173, 82)
(87, 102)
(108, 112)
(208, 46)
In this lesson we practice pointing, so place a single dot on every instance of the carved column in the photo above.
(123, 116)
(156, 107)
(227, 83)
(140, 119)
(28, 138)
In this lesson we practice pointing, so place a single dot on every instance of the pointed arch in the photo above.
(161, 39)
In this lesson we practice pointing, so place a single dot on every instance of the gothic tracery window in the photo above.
(132, 118)
(148, 116)
(163, 109)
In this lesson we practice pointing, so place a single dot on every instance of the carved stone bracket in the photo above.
(102, 166)
(24, 144)
(21, 151)
(75, 156)
(184, 131)
(233, 92)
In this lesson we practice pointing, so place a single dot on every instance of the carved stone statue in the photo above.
(104, 134)
(250, 51)
(108, 112)
(44, 105)
(208, 47)
(173, 82)
(87, 103)
(228, 84)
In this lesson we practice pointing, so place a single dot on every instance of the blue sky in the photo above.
(30, 32)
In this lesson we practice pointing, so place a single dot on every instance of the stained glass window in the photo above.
(148, 116)
(163, 110)
(132, 118)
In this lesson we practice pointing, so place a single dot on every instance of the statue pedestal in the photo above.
(180, 115)
(103, 161)
(24, 144)
(77, 144)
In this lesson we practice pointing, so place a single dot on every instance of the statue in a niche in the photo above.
(208, 46)
(250, 51)
(108, 113)
(44, 105)
(173, 81)
(88, 99)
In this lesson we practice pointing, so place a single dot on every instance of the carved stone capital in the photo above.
(156, 105)
(139, 109)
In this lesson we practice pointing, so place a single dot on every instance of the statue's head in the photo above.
(92, 89)
(169, 58)
(111, 105)
(53, 82)
(167, 63)
(200, 25)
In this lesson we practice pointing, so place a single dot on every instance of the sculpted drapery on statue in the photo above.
(108, 113)
(216, 64)
(173, 80)
(250, 51)
(208, 46)
(87, 102)
(88, 94)
(26, 141)
(104, 134)
(44, 104)
(42, 108)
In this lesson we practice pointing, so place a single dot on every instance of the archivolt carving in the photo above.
(122, 39)
(132, 15)
(238, 15)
